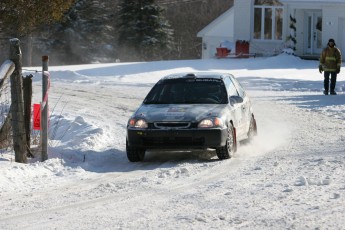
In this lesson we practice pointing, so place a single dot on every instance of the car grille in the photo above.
(170, 136)
(172, 125)
(174, 141)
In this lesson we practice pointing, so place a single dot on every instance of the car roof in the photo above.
(196, 75)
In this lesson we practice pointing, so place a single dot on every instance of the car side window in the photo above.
(239, 88)
(230, 87)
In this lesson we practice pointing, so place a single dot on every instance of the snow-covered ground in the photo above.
(291, 177)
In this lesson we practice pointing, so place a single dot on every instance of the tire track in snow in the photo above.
(199, 174)
(168, 184)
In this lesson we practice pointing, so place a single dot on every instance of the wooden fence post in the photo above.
(17, 108)
(27, 90)
(44, 108)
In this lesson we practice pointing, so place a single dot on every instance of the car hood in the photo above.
(175, 112)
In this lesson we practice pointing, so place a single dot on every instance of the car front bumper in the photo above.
(176, 138)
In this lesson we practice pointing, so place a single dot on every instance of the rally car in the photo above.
(189, 111)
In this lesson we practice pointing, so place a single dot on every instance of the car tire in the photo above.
(228, 151)
(135, 154)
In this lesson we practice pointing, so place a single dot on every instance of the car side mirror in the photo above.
(235, 100)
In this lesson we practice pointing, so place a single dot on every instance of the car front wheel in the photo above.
(135, 154)
(228, 151)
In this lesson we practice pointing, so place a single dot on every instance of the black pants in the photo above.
(333, 80)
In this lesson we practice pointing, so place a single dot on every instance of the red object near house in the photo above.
(242, 49)
(222, 52)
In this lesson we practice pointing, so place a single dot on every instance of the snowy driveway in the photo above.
(291, 177)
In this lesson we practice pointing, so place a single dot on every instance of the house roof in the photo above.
(217, 21)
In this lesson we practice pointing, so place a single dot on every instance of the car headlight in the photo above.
(210, 123)
(140, 123)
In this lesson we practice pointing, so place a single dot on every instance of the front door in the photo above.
(313, 27)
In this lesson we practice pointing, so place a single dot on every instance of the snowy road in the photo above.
(291, 177)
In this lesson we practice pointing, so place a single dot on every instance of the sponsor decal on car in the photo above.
(176, 112)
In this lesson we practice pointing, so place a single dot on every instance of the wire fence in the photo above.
(5, 105)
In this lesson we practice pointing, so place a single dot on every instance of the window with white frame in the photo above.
(268, 20)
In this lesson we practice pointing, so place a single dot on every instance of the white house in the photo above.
(272, 25)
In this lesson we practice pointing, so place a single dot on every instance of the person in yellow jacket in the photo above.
(330, 63)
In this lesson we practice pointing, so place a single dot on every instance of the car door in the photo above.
(245, 107)
(236, 107)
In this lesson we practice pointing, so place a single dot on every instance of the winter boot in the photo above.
(333, 93)
(325, 92)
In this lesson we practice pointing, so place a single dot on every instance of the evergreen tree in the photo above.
(86, 35)
(143, 29)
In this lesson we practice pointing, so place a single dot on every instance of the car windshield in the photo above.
(188, 91)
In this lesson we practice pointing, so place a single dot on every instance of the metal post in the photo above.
(44, 108)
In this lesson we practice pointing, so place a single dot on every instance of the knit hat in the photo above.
(331, 40)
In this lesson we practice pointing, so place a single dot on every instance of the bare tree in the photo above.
(21, 18)
(187, 18)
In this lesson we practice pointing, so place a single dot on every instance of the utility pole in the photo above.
(17, 108)
(44, 108)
